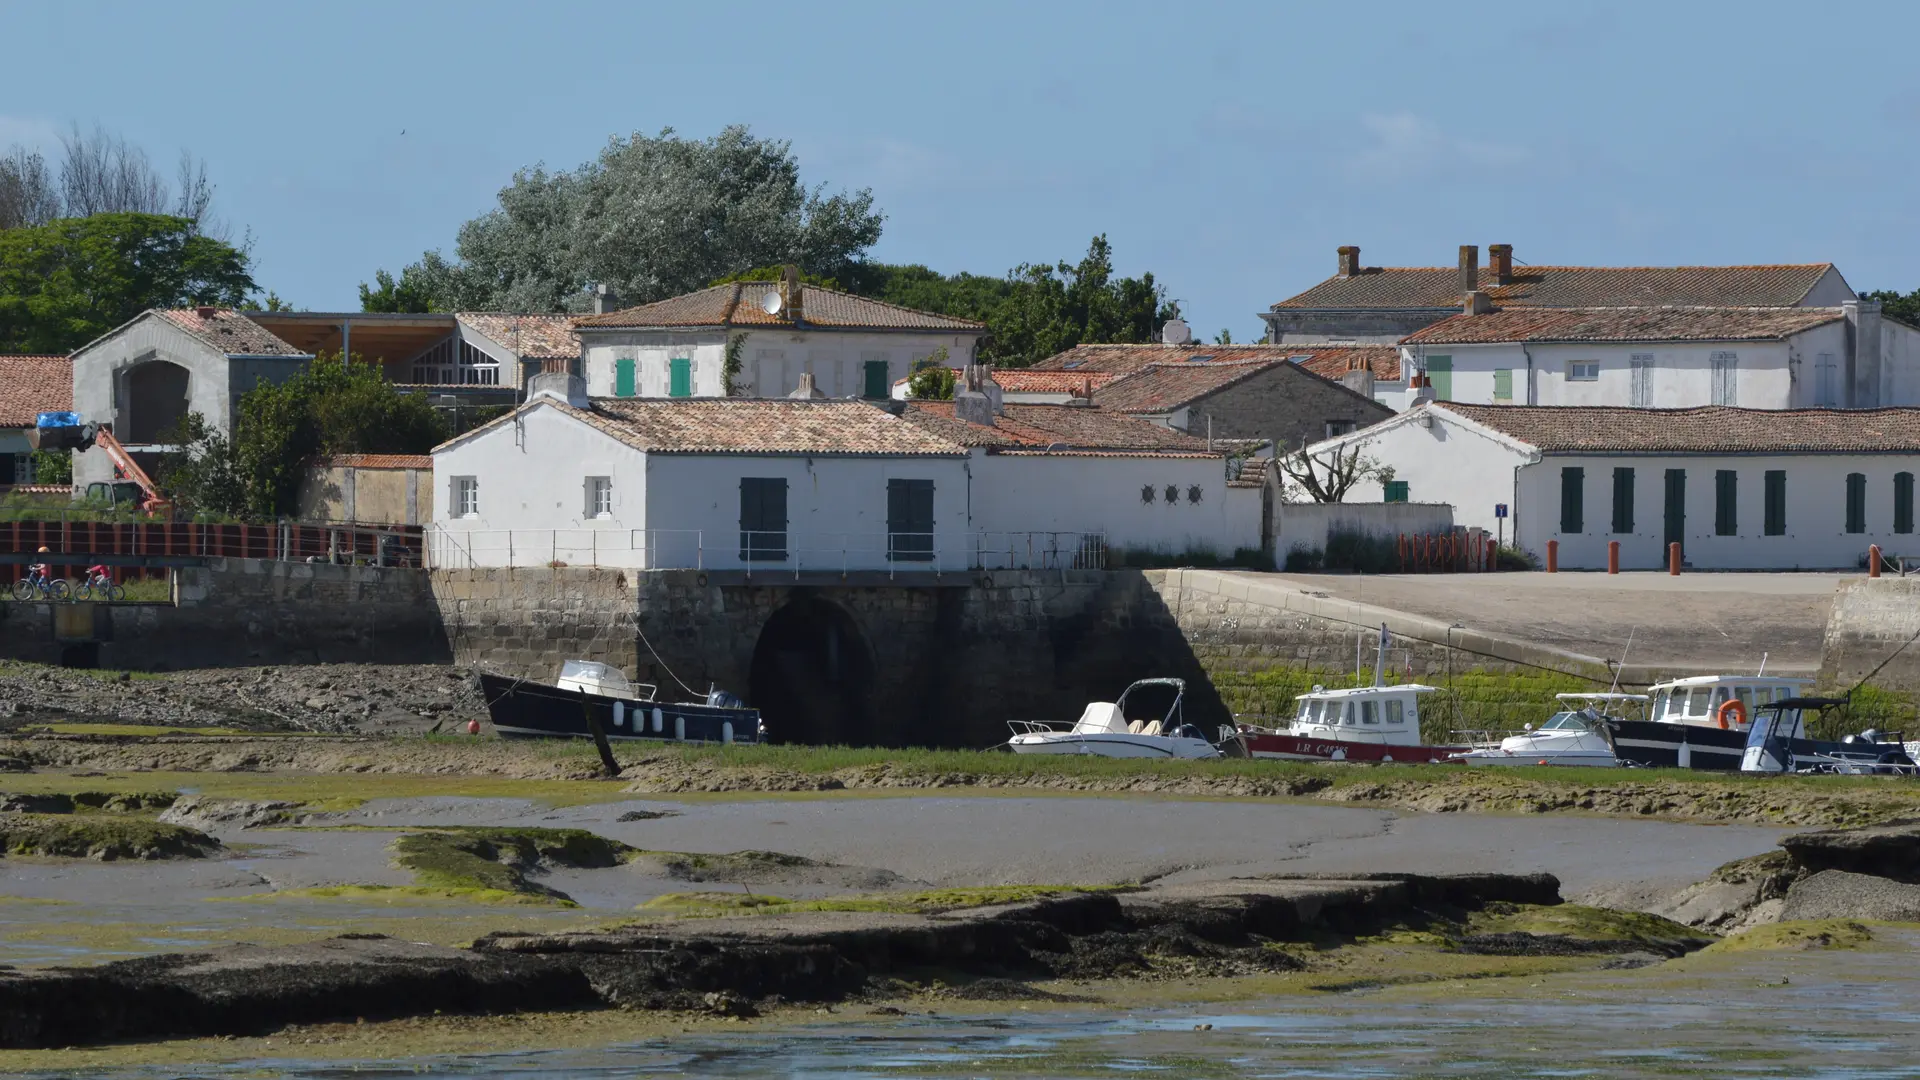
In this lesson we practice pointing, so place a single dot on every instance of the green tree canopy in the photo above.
(408, 296)
(652, 217)
(1902, 306)
(66, 282)
(330, 408)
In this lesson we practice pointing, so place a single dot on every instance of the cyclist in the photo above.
(41, 572)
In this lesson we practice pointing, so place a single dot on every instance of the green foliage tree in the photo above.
(652, 217)
(409, 295)
(1894, 305)
(53, 466)
(330, 408)
(66, 282)
(932, 378)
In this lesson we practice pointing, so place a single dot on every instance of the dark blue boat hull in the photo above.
(523, 709)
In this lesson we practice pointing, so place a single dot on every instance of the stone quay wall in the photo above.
(1874, 621)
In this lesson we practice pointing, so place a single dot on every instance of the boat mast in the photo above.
(1380, 658)
(1623, 661)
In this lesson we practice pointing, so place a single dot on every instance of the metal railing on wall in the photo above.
(287, 541)
(763, 552)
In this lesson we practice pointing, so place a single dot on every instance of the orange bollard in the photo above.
(1553, 556)
(1873, 560)
(1613, 556)
(1673, 559)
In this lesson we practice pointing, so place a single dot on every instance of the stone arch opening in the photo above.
(813, 674)
(156, 399)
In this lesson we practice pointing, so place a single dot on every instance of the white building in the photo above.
(769, 333)
(1845, 356)
(1738, 489)
(783, 485)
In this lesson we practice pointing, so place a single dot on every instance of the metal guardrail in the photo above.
(756, 552)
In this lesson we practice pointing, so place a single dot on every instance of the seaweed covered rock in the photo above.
(105, 837)
(1887, 851)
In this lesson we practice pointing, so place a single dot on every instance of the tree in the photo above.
(409, 295)
(1904, 307)
(29, 194)
(1224, 337)
(652, 217)
(70, 280)
(933, 379)
(1326, 477)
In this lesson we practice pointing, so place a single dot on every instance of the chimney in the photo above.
(205, 312)
(1500, 261)
(977, 398)
(1476, 302)
(1350, 261)
(1469, 267)
(1359, 379)
(791, 292)
(1862, 389)
(604, 300)
(807, 391)
(561, 385)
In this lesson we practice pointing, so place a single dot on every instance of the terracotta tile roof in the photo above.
(1160, 388)
(1029, 381)
(1127, 359)
(33, 384)
(760, 426)
(1079, 428)
(1708, 429)
(740, 304)
(534, 337)
(1331, 362)
(375, 461)
(1569, 286)
(229, 332)
(1625, 324)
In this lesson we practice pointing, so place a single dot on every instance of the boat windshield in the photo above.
(1563, 721)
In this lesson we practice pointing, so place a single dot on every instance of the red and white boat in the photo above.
(1363, 723)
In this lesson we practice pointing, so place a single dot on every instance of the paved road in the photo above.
(1700, 622)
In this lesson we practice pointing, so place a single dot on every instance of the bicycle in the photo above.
(40, 583)
(98, 580)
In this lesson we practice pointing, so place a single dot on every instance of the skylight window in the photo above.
(1074, 365)
(1198, 359)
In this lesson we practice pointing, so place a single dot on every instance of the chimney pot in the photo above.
(1350, 260)
(1469, 267)
(1500, 261)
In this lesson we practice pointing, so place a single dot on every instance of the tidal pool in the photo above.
(1830, 1015)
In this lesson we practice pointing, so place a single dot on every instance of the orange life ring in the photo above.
(1732, 705)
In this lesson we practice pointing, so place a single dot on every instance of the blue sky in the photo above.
(1229, 148)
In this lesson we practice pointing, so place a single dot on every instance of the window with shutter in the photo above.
(763, 519)
(875, 385)
(1825, 384)
(910, 520)
(466, 496)
(680, 377)
(1726, 374)
(1572, 478)
(1903, 502)
(1503, 384)
(1726, 521)
(1776, 523)
(1640, 391)
(1396, 491)
(1440, 377)
(623, 378)
(1623, 500)
(1856, 502)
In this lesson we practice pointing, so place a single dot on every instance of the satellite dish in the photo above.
(771, 303)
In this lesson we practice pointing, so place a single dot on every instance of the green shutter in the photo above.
(876, 383)
(1623, 500)
(1856, 502)
(1903, 502)
(910, 520)
(1440, 374)
(623, 378)
(1726, 496)
(1572, 499)
(1776, 502)
(680, 378)
(1676, 523)
(763, 519)
(1503, 384)
(1396, 491)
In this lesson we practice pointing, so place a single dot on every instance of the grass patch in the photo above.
(106, 837)
(343, 790)
(499, 859)
(927, 902)
(712, 903)
(1796, 936)
(399, 895)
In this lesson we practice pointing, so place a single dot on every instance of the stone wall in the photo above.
(1873, 620)
(1285, 402)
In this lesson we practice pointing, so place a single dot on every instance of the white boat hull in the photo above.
(1112, 744)
(1603, 759)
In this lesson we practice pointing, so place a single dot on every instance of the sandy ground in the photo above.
(1697, 621)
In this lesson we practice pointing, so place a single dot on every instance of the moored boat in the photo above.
(521, 708)
(1363, 723)
(1575, 735)
(1699, 722)
(1777, 743)
(1104, 730)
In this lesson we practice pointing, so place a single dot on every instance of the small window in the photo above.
(1583, 370)
(1347, 715)
(1396, 712)
(1856, 502)
(1503, 384)
(1337, 428)
(466, 496)
(1745, 694)
(1369, 713)
(599, 496)
(1396, 490)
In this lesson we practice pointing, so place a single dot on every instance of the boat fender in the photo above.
(619, 713)
(1733, 707)
(658, 725)
(680, 727)
(726, 731)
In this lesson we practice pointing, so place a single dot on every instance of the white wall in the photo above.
(771, 362)
(836, 508)
(1064, 493)
(1815, 538)
(532, 478)
(1306, 525)
(1899, 364)
(1682, 374)
(1449, 462)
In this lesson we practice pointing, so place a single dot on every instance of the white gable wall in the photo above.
(1448, 461)
(771, 361)
(1769, 374)
(1020, 493)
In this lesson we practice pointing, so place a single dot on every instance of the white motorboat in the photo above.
(1571, 736)
(1104, 730)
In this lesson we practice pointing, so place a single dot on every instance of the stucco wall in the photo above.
(1306, 525)
(1682, 374)
(1445, 463)
(1815, 538)
(771, 362)
(1014, 493)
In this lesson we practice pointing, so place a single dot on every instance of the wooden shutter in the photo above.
(680, 377)
(910, 520)
(1726, 495)
(1503, 384)
(1776, 524)
(1440, 374)
(1903, 502)
(623, 381)
(1676, 515)
(763, 519)
(1572, 499)
(1623, 500)
(1856, 502)
(876, 379)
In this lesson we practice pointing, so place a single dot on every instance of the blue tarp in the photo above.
(57, 419)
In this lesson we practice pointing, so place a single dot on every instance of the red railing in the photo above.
(393, 545)
(1456, 552)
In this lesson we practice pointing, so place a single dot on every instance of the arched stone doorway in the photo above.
(156, 399)
(813, 674)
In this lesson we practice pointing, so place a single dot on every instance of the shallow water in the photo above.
(1833, 1016)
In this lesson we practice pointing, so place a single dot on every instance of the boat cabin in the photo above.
(604, 680)
(1698, 700)
(1376, 714)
